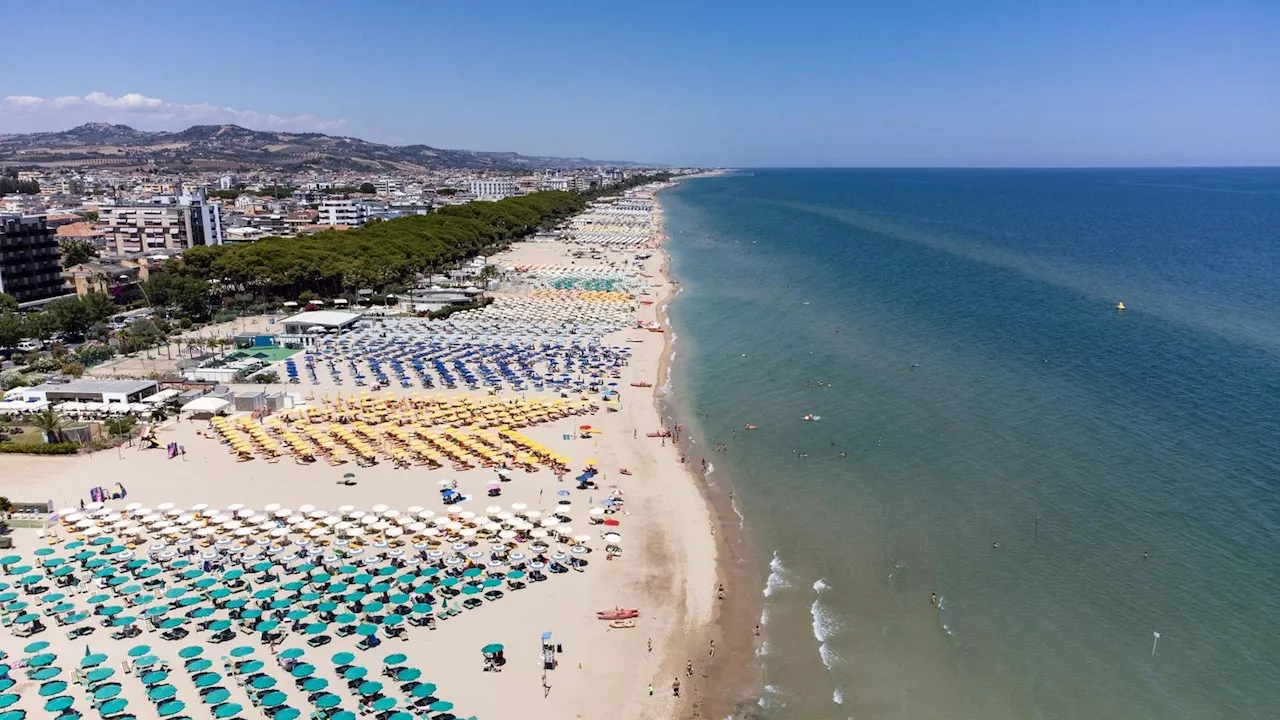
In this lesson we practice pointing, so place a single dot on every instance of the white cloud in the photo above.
(25, 113)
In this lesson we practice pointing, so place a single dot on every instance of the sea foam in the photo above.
(824, 625)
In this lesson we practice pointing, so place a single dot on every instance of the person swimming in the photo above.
(933, 599)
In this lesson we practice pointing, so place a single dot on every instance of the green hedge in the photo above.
(47, 449)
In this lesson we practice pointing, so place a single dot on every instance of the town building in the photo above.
(493, 188)
(30, 259)
(301, 330)
(102, 391)
(166, 222)
(342, 211)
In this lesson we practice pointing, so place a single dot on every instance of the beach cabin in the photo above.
(300, 330)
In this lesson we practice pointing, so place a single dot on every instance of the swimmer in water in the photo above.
(933, 600)
(844, 454)
(995, 544)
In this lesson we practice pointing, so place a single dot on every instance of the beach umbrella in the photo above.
(161, 692)
(291, 653)
(41, 660)
(342, 658)
(314, 684)
(36, 646)
(7, 699)
(216, 696)
(440, 706)
(106, 692)
(171, 708)
(355, 672)
(273, 699)
(202, 612)
(46, 673)
(250, 666)
(219, 625)
(286, 713)
(99, 674)
(328, 700)
(241, 651)
(155, 677)
(92, 660)
(200, 665)
(383, 704)
(51, 688)
(370, 687)
(139, 650)
(146, 661)
(315, 628)
(58, 704)
(408, 674)
(367, 629)
(491, 648)
(266, 626)
(190, 651)
(206, 679)
(303, 670)
(227, 710)
(262, 682)
(422, 690)
(113, 706)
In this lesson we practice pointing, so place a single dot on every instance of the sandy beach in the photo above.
(667, 568)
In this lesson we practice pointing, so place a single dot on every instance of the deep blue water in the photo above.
(1036, 416)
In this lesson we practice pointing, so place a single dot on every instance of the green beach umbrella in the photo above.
(202, 612)
(286, 713)
(383, 704)
(46, 673)
(491, 648)
(273, 698)
(370, 687)
(219, 625)
(199, 665)
(106, 692)
(422, 690)
(155, 677)
(302, 670)
(7, 699)
(440, 706)
(315, 684)
(171, 708)
(241, 651)
(59, 703)
(113, 706)
(227, 710)
(161, 692)
(92, 660)
(328, 700)
(342, 658)
(355, 672)
(250, 666)
(139, 650)
(216, 696)
(367, 629)
(206, 679)
(262, 682)
(394, 659)
(99, 674)
(51, 688)
(315, 628)
(190, 651)
(408, 674)
(291, 653)
(146, 661)
(36, 646)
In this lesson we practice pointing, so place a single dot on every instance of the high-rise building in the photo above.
(30, 260)
(166, 222)
(342, 211)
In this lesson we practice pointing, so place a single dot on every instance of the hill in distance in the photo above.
(229, 147)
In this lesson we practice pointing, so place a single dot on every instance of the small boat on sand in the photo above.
(622, 624)
(641, 384)
(618, 614)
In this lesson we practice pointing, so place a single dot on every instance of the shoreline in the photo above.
(730, 685)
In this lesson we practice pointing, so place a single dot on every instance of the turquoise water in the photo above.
(958, 335)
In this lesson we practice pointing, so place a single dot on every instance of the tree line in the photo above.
(21, 187)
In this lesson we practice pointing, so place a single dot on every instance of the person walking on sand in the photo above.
(650, 645)
(688, 669)
(675, 687)
(650, 689)
(713, 648)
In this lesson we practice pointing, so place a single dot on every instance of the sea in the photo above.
(1092, 494)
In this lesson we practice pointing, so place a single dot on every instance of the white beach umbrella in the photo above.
(235, 508)
(377, 509)
(165, 506)
(199, 507)
(271, 507)
(304, 509)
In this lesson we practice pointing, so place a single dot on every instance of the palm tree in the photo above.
(50, 422)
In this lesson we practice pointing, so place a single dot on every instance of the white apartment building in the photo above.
(555, 183)
(494, 188)
(342, 212)
(166, 222)
(226, 182)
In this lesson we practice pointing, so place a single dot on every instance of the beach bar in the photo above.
(100, 391)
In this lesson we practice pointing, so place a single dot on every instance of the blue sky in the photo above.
(981, 82)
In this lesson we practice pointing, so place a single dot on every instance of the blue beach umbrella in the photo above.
(342, 658)
(161, 692)
(394, 659)
(315, 628)
(99, 674)
(171, 708)
(241, 651)
(46, 673)
(422, 690)
(355, 672)
(328, 700)
(8, 699)
(92, 660)
(408, 674)
(315, 684)
(291, 653)
(190, 651)
(303, 670)
(383, 704)
(286, 713)
(249, 667)
(273, 698)
(139, 650)
(36, 646)
(113, 707)
(199, 665)
(262, 682)
(206, 679)
(370, 687)
(51, 688)
(216, 696)
(440, 706)
(106, 692)
(227, 710)
(58, 704)
(155, 677)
